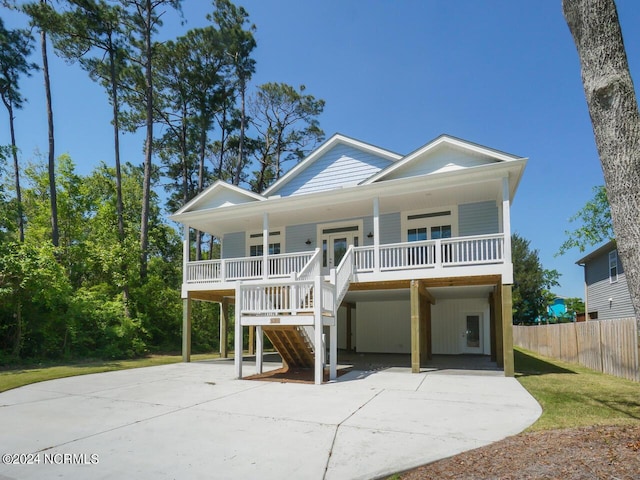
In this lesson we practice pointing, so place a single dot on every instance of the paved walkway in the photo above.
(193, 421)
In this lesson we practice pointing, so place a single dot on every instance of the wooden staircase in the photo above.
(292, 344)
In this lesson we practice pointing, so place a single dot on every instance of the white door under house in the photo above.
(473, 333)
(461, 326)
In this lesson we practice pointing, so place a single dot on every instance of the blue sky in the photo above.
(397, 74)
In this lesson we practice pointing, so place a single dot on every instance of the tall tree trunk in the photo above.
(116, 148)
(614, 115)
(146, 182)
(55, 236)
(202, 154)
(240, 165)
(16, 169)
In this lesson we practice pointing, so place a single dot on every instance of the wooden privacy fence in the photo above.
(609, 346)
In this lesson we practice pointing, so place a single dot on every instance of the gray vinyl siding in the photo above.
(390, 228)
(480, 218)
(600, 290)
(341, 166)
(234, 245)
(297, 235)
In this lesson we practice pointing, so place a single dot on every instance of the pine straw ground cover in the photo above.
(589, 429)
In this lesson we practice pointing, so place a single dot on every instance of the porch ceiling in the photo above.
(439, 293)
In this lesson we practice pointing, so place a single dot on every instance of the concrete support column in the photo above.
(224, 327)
(507, 330)
(186, 329)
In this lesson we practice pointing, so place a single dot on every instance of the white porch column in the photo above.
(185, 253)
(317, 341)
(265, 245)
(506, 228)
(237, 349)
(259, 349)
(376, 234)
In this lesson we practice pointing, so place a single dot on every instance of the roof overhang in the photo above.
(356, 201)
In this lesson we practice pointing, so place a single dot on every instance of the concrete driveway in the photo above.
(194, 421)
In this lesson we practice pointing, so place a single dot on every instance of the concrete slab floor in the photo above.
(195, 421)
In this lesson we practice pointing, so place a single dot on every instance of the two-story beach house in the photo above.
(361, 248)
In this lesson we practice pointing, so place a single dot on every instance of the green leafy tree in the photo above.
(15, 48)
(595, 224)
(531, 282)
(287, 123)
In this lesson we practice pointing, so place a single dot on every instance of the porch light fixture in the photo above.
(308, 242)
(370, 235)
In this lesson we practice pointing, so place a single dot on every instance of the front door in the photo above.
(334, 247)
(472, 336)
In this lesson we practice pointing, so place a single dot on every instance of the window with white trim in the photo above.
(613, 266)
(255, 245)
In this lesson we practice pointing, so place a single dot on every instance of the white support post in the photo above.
(317, 312)
(333, 351)
(185, 253)
(376, 234)
(438, 259)
(259, 349)
(506, 227)
(265, 246)
(237, 352)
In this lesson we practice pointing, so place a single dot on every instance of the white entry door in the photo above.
(334, 247)
(472, 336)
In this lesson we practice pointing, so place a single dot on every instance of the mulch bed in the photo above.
(293, 375)
(596, 452)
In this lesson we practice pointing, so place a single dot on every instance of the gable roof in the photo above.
(606, 248)
(426, 154)
(219, 194)
(337, 139)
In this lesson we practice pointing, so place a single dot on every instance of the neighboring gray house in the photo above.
(606, 291)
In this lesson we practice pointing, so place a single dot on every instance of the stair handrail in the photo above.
(342, 275)
(311, 269)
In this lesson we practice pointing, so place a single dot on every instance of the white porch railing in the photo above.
(447, 252)
(441, 253)
(278, 297)
(246, 268)
(341, 276)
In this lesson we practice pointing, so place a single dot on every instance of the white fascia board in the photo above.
(443, 139)
(217, 185)
(329, 144)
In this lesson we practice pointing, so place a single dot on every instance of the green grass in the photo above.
(574, 396)
(19, 375)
